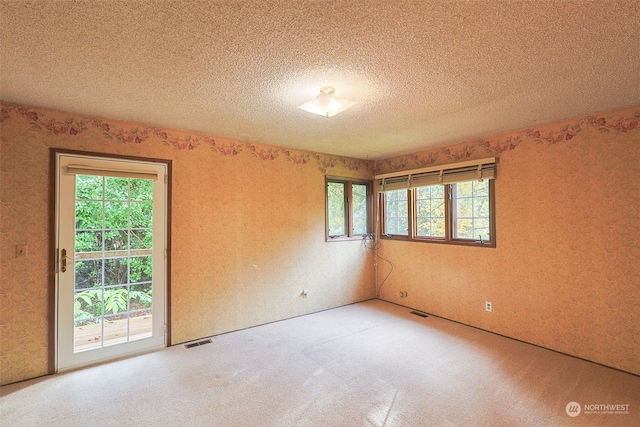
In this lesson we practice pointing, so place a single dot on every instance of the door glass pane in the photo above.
(140, 299)
(88, 241)
(88, 305)
(113, 261)
(141, 239)
(140, 325)
(88, 335)
(89, 187)
(116, 271)
(141, 214)
(141, 189)
(116, 299)
(116, 214)
(88, 215)
(140, 269)
(116, 188)
(116, 240)
(116, 329)
(88, 273)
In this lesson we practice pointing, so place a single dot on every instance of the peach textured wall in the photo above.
(248, 229)
(565, 273)
(566, 270)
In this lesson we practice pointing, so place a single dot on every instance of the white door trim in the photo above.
(66, 359)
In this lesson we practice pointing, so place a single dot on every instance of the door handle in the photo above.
(63, 260)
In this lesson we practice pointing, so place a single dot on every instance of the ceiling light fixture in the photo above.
(325, 104)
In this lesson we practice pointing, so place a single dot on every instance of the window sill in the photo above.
(345, 238)
(457, 242)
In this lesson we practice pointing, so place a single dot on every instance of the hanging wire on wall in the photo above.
(371, 241)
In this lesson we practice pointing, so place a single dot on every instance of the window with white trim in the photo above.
(446, 204)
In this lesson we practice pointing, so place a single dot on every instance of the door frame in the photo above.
(52, 315)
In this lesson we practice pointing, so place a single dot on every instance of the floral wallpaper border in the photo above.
(509, 141)
(137, 135)
(228, 147)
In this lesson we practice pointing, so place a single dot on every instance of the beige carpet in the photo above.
(368, 364)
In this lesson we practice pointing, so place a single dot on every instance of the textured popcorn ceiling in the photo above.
(424, 73)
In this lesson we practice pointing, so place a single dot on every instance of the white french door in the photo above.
(111, 258)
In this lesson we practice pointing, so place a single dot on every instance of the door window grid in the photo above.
(113, 285)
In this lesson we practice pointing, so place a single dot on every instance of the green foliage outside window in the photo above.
(96, 302)
(472, 210)
(337, 215)
(360, 208)
(114, 236)
(430, 211)
(458, 213)
(347, 208)
(397, 205)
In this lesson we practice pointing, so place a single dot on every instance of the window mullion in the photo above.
(461, 224)
(411, 207)
(383, 212)
(348, 208)
(448, 213)
(371, 209)
(492, 214)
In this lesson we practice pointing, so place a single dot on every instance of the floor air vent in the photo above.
(417, 313)
(197, 343)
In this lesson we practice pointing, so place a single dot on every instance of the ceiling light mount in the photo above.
(328, 89)
(326, 104)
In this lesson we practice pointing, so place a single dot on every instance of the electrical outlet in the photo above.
(488, 306)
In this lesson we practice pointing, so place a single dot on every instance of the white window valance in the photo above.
(443, 174)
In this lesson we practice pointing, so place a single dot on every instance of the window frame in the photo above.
(449, 214)
(383, 217)
(348, 186)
